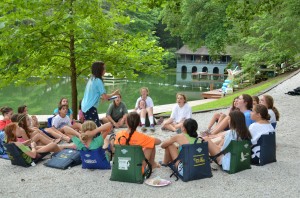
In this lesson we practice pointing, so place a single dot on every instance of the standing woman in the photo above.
(95, 90)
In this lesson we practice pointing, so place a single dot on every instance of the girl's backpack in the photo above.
(127, 164)
(94, 159)
(193, 163)
(240, 158)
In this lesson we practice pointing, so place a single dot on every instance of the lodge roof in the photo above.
(200, 51)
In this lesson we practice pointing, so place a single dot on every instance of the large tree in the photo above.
(52, 38)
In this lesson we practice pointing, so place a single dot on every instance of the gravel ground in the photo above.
(273, 180)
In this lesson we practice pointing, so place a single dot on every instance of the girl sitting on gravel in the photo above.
(261, 126)
(137, 138)
(188, 136)
(31, 151)
(181, 111)
(268, 102)
(238, 131)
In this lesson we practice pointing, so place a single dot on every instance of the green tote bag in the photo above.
(127, 164)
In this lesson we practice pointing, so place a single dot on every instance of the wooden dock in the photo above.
(213, 94)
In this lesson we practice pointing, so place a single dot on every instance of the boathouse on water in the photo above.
(200, 61)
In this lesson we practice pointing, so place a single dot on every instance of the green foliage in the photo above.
(52, 38)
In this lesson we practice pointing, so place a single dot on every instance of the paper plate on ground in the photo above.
(157, 182)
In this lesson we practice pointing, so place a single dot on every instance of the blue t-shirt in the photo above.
(230, 135)
(248, 118)
(93, 90)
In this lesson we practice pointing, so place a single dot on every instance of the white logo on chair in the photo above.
(199, 150)
(244, 156)
(87, 155)
(124, 151)
(246, 145)
(124, 163)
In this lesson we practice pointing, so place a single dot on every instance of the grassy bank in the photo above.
(225, 102)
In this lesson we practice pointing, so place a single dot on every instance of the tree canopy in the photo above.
(259, 31)
(52, 38)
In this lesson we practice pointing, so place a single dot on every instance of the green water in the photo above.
(43, 99)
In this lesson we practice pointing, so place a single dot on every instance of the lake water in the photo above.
(43, 99)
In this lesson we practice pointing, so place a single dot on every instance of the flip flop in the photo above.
(162, 164)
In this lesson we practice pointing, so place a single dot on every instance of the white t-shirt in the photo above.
(149, 102)
(180, 113)
(272, 116)
(257, 130)
(58, 122)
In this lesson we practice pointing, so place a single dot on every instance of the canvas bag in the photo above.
(15, 155)
(240, 155)
(267, 149)
(64, 159)
(194, 161)
(127, 164)
(94, 159)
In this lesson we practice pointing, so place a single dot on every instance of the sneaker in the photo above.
(152, 128)
(143, 128)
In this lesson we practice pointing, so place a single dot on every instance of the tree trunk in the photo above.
(73, 67)
(73, 77)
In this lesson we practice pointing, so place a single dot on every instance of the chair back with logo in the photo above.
(192, 162)
(267, 149)
(128, 164)
(240, 155)
(94, 159)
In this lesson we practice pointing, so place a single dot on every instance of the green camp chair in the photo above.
(240, 155)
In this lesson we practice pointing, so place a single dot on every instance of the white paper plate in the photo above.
(153, 182)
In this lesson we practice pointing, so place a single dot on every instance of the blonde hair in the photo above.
(146, 88)
(87, 126)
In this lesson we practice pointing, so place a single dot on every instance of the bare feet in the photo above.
(57, 140)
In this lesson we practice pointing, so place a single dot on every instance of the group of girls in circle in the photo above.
(244, 121)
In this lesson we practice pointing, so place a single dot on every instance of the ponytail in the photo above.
(277, 115)
(133, 120)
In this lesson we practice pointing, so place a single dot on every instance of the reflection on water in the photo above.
(43, 99)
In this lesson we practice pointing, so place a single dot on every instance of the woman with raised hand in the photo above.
(95, 90)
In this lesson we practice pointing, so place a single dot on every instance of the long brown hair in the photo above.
(270, 105)
(247, 98)
(9, 132)
(238, 123)
(22, 122)
(133, 121)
